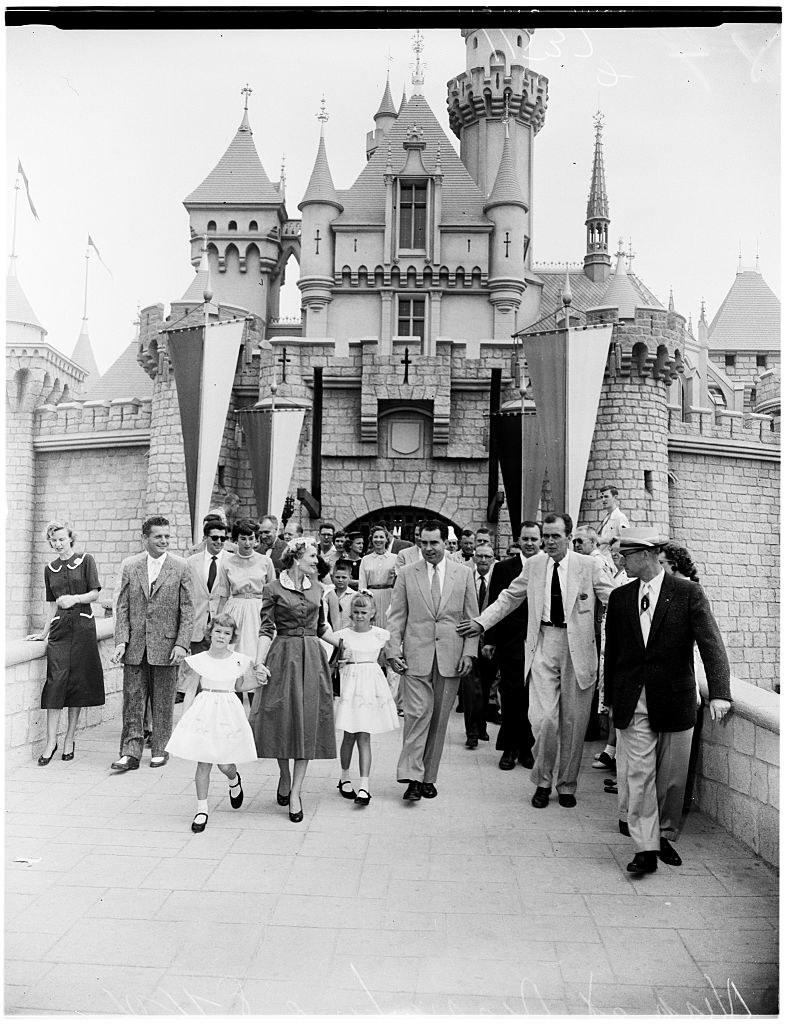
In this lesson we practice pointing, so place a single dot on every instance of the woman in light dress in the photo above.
(240, 583)
(377, 573)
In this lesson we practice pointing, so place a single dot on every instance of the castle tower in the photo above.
(498, 82)
(242, 213)
(319, 207)
(384, 118)
(597, 262)
(507, 208)
(83, 356)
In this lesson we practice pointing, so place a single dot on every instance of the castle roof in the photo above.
(238, 178)
(17, 307)
(506, 188)
(83, 355)
(462, 200)
(125, 379)
(621, 293)
(321, 186)
(749, 317)
(586, 294)
(387, 107)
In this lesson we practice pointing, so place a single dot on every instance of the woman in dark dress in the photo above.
(75, 678)
(295, 714)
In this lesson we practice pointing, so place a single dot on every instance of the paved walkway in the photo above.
(472, 903)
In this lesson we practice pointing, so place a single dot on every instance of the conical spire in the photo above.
(403, 102)
(597, 262)
(83, 356)
(506, 188)
(387, 107)
(321, 186)
(17, 306)
(671, 299)
(201, 288)
(620, 292)
(597, 204)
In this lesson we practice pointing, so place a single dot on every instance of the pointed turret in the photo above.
(621, 293)
(403, 102)
(384, 118)
(671, 299)
(387, 108)
(22, 324)
(321, 186)
(506, 207)
(506, 189)
(597, 262)
(83, 356)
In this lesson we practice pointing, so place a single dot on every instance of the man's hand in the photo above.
(469, 627)
(117, 655)
(719, 709)
(488, 650)
(397, 665)
(466, 665)
(177, 655)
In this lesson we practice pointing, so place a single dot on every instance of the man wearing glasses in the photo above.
(204, 566)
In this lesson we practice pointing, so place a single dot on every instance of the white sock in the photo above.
(345, 775)
(236, 782)
(610, 750)
(364, 782)
(202, 807)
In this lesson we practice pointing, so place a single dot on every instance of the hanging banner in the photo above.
(204, 366)
(566, 369)
(522, 461)
(272, 440)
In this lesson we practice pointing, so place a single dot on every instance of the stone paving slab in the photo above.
(474, 903)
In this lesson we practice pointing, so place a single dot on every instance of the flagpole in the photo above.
(85, 303)
(207, 296)
(17, 186)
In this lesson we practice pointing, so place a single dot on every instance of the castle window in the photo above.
(413, 216)
(753, 396)
(476, 42)
(232, 226)
(761, 362)
(211, 225)
(731, 360)
(520, 41)
(411, 318)
(253, 225)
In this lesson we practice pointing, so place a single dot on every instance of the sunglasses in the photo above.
(214, 536)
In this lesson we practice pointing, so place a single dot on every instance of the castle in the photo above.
(415, 283)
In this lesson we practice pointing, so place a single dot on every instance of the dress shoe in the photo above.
(610, 786)
(507, 762)
(413, 791)
(200, 822)
(644, 863)
(604, 761)
(237, 801)
(526, 760)
(624, 828)
(297, 816)
(429, 791)
(349, 793)
(472, 743)
(283, 801)
(567, 800)
(45, 760)
(362, 798)
(483, 736)
(160, 762)
(67, 757)
(127, 763)
(541, 797)
(668, 854)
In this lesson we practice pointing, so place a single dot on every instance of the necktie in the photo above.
(211, 573)
(435, 590)
(645, 616)
(645, 603)
(483, 590)
(557, 608)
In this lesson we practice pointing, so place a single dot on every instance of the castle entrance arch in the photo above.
(399, 519)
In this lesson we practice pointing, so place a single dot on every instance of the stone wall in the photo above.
(738, 773)
(25, 675)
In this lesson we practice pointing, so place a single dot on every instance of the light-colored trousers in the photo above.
(657, 770)
(427, 703)
(558, 711)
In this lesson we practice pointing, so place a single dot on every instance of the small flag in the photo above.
(101, 261)
(27, 188)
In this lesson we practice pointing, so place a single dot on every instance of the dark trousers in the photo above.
(515, 734)
(475, 688)
(139, 683)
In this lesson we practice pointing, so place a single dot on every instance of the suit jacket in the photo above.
(405, 556)
(399, 545)
(509, 634)
(204, 603)
(586, 584)
(665, 666)
(423, 633)
(154, 624)
(274, 553)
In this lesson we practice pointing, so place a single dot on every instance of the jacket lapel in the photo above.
(633, 613)
(449, 582)
(141, 573)
(165, 570)
(573, 574)
(664, 600)
(421, 578)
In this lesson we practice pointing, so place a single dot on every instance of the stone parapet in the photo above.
(25, 675)
(725, 426)
(768, 393)
(101, 424)
(738, 773)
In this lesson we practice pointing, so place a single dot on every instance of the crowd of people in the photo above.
(360, 635)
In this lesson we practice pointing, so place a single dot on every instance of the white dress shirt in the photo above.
(154, 568)
(441, 569)
(207, 564)
(645, 617)
(564, 567)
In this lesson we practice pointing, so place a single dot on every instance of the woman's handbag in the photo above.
(334, 667)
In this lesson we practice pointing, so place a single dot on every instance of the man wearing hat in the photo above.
(651, 626)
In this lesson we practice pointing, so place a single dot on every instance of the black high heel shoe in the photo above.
(283, 801)
(298, 815)
(45, 760)
(68, 757)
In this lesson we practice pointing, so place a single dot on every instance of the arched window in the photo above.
(232, 226)
(476, 42)
(253, 225)
(520, 41)
(211, 225)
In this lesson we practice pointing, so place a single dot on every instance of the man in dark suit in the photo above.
(153, 630)
(475, 687)
(651, 626)
(503, 643)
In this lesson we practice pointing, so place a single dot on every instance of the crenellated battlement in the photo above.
(100, 424)
(489, 92)
(648, 346)
(724, 426)
(768, 393)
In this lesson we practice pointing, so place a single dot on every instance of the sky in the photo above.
(114, 129)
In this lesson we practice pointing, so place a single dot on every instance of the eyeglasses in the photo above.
(213, 536)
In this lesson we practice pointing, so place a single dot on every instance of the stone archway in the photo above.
(398, 517)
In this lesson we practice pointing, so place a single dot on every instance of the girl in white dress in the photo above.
(214, 730)
(365, 704)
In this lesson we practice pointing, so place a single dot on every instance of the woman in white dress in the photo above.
(240, 583)
(214, 730)
(377, 573)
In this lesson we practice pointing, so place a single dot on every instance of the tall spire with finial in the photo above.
(282, 176)
(671, 298)
(418, 75)
(597, 262)
(403, 102)
(320, 188)
(246, 92)
(739, 257)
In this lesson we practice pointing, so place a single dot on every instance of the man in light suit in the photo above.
(650, 685)
(153, 630)
(204, 567)
(562, 588)
(429, 599)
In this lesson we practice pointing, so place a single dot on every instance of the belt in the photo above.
(213, 689)
(245, 597)
(378, 586)
(299, 631)
(554, 626)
